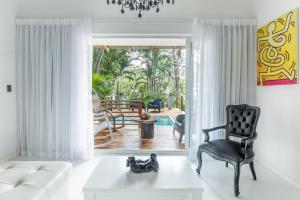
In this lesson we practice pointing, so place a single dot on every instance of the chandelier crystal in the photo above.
(139, 5)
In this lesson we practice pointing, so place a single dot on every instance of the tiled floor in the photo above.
(217, 181)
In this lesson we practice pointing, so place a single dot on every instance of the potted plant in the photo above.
(145, 116)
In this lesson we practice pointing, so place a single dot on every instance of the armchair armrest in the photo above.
(181, 124)
(110, 110)
(107, 112)
(118, 110)
(207, 131)
(247, 141)
(100, 116)
(151, 103)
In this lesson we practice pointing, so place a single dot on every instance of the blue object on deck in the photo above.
(162, 120)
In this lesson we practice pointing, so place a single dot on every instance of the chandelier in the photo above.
(139, 5)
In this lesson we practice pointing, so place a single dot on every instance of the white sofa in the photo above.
(34, 180)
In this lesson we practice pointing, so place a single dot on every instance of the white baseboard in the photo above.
(278, 172)
(10, 157)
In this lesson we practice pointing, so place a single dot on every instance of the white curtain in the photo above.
(223, 72)
(54, 88)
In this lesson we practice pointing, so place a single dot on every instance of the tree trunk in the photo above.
(99, 56)
(176, 54)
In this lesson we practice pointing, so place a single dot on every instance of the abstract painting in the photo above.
(277, 51)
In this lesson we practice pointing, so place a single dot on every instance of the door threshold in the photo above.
(139, 152)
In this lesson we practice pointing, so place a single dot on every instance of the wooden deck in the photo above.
(128, 138)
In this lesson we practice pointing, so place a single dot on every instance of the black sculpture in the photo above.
(141, 166)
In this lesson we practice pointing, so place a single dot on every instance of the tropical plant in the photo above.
(144, 74)
(102, 85)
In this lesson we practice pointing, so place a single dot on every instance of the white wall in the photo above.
(279, 131)
(7, 76)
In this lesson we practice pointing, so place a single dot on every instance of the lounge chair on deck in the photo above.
(112, 113)
(101, 122)
(157, 104)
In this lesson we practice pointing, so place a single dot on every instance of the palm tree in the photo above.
(111, 64)
(97, 57)
(155, 67)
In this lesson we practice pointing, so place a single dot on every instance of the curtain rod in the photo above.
(129, 35)
(227, 22)
(151, 20)
(174, 20)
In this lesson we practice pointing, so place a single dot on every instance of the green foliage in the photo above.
(144, 74)
(113, 61)
(102, 85)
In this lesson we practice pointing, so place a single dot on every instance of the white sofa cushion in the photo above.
(31, 180)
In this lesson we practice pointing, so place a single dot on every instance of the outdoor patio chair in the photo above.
(157, 104)
(101, 122)
(112, 113)
(179, 126)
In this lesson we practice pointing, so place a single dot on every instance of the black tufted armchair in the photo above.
(241, 123)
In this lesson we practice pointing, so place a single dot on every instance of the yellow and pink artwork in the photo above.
(277, 51)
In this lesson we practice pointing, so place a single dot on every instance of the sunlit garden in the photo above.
(142, 92)
(140, 74)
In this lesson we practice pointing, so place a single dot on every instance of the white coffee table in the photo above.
(112, 180)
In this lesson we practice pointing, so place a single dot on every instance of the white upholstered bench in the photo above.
(34, 180)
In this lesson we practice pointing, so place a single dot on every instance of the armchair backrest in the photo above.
(241, 120)
(180, 118)
(157, 101)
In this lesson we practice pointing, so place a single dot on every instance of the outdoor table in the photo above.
(147, 127)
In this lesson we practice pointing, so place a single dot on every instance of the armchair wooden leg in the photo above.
(199, 157)
(237, 170)
(174, 130)
(252, 170)
(226, 164)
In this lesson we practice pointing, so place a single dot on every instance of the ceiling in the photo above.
(99, 9)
